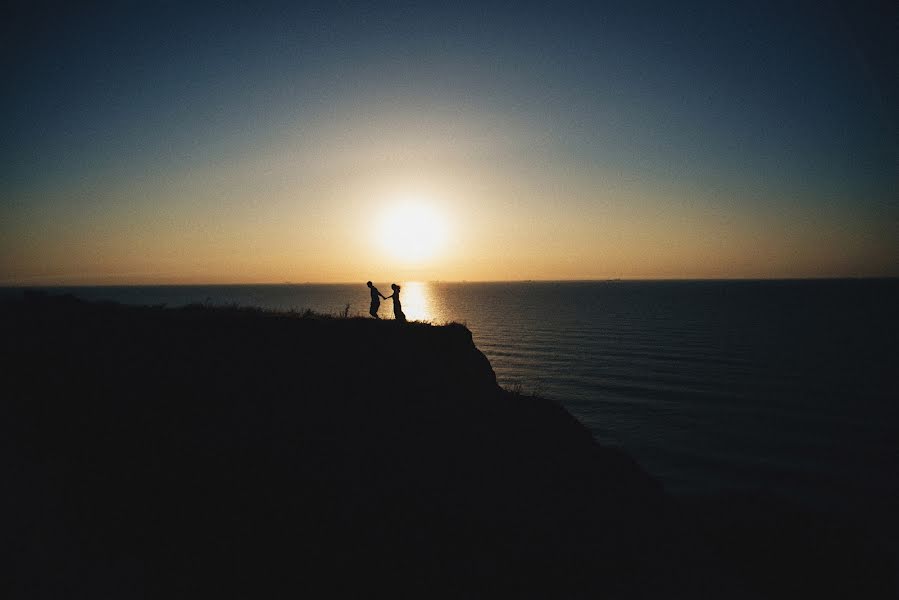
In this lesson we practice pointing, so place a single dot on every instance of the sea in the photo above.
(785, 388)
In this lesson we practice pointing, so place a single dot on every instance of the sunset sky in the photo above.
(147, 142)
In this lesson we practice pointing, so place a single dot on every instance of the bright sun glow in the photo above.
(412, 231)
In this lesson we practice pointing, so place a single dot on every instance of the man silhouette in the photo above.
(375, 300)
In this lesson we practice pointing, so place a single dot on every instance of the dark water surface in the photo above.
(789, 387)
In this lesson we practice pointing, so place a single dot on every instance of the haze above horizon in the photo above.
(273, 142)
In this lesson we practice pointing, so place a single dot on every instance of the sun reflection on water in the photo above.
(418, 301)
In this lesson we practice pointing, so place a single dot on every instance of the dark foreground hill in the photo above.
(151, 452)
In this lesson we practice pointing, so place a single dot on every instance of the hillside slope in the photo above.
(158, 452)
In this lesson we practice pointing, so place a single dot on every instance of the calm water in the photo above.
(789, 387)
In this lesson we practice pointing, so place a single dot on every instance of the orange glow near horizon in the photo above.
(437, 212)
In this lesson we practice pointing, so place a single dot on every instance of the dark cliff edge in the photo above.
(152, 452)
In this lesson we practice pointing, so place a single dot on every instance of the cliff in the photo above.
(238, 453)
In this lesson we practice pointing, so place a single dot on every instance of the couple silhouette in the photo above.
(376, 301)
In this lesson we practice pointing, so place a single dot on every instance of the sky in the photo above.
(176, 142)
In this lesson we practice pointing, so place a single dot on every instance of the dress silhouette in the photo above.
(397, 307)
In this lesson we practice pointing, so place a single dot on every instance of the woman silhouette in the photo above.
(397, 307)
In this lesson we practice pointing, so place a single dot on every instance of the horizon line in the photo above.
(462, 281)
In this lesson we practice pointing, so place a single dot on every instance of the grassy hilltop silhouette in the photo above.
(236, 453)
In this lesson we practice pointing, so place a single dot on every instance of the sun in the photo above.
(412, 231)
